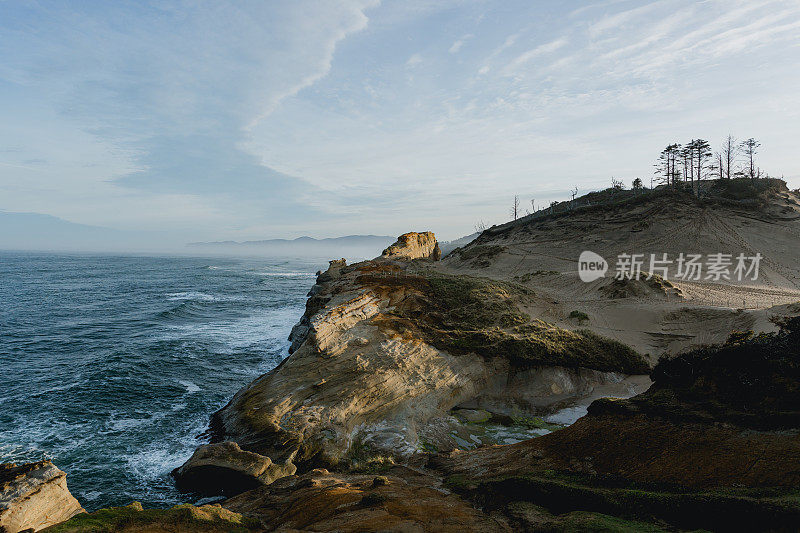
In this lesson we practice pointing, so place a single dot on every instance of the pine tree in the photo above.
(750, 149)
(702, 151)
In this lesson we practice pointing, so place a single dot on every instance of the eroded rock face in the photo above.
(365, 381)
(415, 246)
(224, 468)
(713, 444)
(34, 496)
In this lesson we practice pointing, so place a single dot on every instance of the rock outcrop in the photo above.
(34, 496)
(713, 444)
(224, 468)
(386, 349)
(400, 499)
(414, 246)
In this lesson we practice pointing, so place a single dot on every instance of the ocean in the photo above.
(110, 365)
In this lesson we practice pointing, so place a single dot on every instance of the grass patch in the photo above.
(179, 518)
(363, 459)
(580, 316)
(534, 422)
(743, 189)
(464, 314)
(482, 255)
(525, 278)
(752, 380)
(739, 510)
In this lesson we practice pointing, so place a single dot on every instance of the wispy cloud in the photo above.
(456, 46)
(541, 50)
(296, 115)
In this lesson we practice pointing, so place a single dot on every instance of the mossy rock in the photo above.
(207, 518)
(466, 314)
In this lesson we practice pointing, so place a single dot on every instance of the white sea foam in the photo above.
(192, 295)
(288, 274)
(190, 387)
(568, 415)
(122, 424)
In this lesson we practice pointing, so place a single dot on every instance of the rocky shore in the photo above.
(34, 496)
(442, 395)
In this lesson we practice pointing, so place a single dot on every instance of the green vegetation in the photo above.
(525, 278)
(560, 493)
(478, 315)
(481, 254)
(532, 517)
(744, 189)
(132, 517)
(580, 316)
(752, 380)
(475, 303)
(534, 422)
(363, 459)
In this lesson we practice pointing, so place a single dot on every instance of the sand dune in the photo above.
(654, 317)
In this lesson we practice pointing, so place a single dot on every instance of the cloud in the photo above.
(282, 117)
(541, 50)
(414, 60)
(454, 49)
(175, 89)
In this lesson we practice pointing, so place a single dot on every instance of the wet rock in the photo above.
(224, 468)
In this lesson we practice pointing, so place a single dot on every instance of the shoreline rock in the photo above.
(224, 468)
(365, 379)
(34, 496)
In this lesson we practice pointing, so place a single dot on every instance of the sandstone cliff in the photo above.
(414, 246)
(390, 358)
(34, 496)
(408, 377)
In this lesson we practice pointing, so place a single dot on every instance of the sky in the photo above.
(215, 120)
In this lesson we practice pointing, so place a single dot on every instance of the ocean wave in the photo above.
(192, 295)
(190, 387)
(187, 309)
(288, 274)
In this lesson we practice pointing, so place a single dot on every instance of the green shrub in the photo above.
(580, 316)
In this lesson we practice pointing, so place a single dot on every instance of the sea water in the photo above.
(110, 366)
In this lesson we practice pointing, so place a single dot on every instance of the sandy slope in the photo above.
(543, 254)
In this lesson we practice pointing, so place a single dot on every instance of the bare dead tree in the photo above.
(481, 226)
(515, 207)
(729, 154)
(719, 165)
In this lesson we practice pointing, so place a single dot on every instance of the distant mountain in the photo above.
(350, 246)
(34, 231)
(449, 246)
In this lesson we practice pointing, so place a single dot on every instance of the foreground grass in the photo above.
(560, 493)
(208, 518)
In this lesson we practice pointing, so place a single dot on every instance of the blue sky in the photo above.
(246, 120)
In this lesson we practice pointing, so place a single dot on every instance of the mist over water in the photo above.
(112, 365)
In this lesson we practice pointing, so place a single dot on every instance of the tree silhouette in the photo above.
(515, 207)
(728, 156)
(750, 149)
